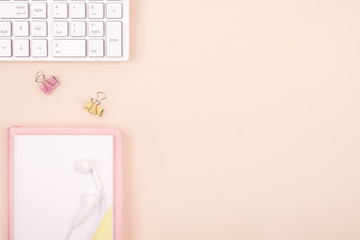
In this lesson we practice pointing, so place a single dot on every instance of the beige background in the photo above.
(240, 118)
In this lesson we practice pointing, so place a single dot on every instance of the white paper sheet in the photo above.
(48, 189)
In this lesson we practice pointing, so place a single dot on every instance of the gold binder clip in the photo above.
(93, 106)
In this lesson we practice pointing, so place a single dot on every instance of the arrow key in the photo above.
(21, 48)
(39, 48)
(21, 29)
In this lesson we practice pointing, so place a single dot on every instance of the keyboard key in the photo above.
(60, 10)
(96, 10)
(39, 29)
(5, 29)
(39, 10)
(77, 10)
(96, 29)
(69, 48)
(21, 48)
(96, 48)
(60, 29)
(113, 40)
(21, 29)
(5, 47)
(114, 10)
(14, 10)
(78, 29)
(39, 48)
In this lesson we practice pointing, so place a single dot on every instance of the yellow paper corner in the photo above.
(104, 230)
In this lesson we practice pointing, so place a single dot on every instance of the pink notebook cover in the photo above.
(13, 131)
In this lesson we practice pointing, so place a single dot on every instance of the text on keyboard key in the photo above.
(78, 29)
(39, 29)
(39, 10)
(60, 29)
(14, 10)
(60, 10)
(113, 40)
(5, 47)
(96, 48)
(77, 10)
(96, 29)
(96, 10)
(114, 10)
(69, 48)
(5, 29)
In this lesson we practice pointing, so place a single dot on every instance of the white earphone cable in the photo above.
(101, 214)
(68, 235)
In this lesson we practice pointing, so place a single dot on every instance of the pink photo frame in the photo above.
(115, 132)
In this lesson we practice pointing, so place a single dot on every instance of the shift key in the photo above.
(14, 10)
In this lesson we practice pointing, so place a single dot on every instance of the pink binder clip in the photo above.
(48, 84)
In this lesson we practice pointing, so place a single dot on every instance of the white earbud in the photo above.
(86, 166)
(89, 202)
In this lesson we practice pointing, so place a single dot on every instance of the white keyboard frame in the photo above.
(125, 32)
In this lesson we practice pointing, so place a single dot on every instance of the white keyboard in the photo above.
(64, 30)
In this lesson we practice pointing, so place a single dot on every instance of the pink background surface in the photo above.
(240, 118)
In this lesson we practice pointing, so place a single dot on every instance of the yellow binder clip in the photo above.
(93, 106)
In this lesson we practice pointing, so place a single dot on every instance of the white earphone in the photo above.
(86, 166)
(90, 202)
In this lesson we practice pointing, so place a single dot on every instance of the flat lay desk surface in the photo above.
(240, 118)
